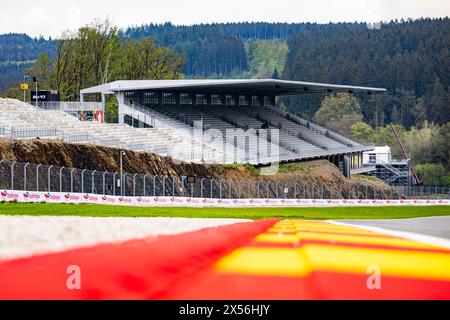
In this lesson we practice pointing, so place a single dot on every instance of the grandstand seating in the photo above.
(298, 139)
(171, 130)
(17, 118)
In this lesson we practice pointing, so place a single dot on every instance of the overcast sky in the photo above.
(52, 17)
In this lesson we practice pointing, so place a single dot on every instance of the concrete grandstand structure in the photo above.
(242, 115)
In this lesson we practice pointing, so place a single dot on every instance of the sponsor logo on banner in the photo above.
(31, 196)
(52, 197)
(90, 198)
(107, 199)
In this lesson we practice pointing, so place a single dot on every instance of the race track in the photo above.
(432, 226)
(264, 259)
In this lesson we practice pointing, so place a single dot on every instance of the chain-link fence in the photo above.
(38, 177)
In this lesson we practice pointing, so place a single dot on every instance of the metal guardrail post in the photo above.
(82, 180)
(124, 184)
(239, 189)
(164, 186)
(25, 176)
(257, 189)
(277, 185)
(104, 182)
(93, 181)
(134, 184)
(12, 175)
(286, 190)
(60, 178)
(37, 176)
(114, 183)
(71, 179)
(201, 187)
(49, 178)
(145, 178)
(173, 186)
(211, 186)
(182, 189)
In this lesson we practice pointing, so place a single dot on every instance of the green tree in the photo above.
(433, 174)
(142, 59)
(42, 70)
(339, 112)
(363, 133)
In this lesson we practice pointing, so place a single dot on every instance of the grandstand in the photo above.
(245, 107)
(221, 121)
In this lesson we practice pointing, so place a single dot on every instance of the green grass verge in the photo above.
(244, 213)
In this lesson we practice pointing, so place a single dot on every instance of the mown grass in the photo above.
(243, 213)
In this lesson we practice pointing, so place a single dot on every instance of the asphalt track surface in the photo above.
(263, 259)
(431, 226)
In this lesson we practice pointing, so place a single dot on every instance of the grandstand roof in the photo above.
(235, 86)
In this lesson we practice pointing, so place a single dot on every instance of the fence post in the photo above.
(164, 186)
(104, 182)
(173, 186)
(134, 184)
(82, 180)
(71, 179)
(183, 189)
(37, 176)
(114, 183)
(48, 178)
(220, 188)
(12, 175)
(201, 187)
(154, 186)
(286, 188)
(229, 188)
(211, 185)
(93, 181)
(257, 189)
(145, 178)
(25, 176)
(124, 184)
(268, 188)
(60, 178)
(239, 189)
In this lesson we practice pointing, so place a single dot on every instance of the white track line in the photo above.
(402, 234)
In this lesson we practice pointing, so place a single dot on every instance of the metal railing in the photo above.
(48, 178)
(69, 105)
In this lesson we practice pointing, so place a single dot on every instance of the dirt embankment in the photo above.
(312, 177)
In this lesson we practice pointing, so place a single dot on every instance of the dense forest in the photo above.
(410, 58)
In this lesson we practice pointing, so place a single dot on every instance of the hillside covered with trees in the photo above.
(411, 59)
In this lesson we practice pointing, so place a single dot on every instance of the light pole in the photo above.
(36, 96)
(122, 153)
(24, 90)
(36, 99)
